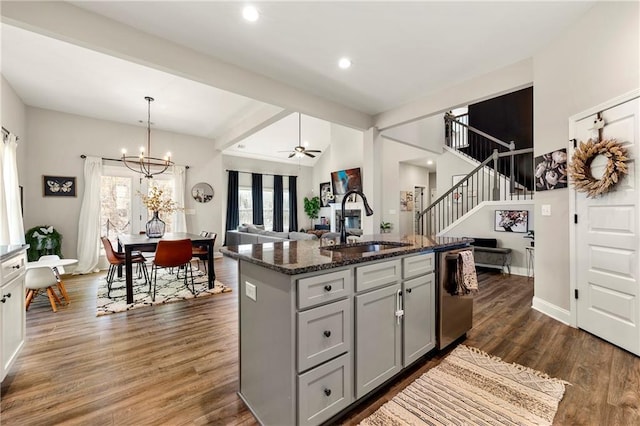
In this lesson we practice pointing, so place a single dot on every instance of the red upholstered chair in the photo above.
(118, 259)
(201, 252)
(171, 254)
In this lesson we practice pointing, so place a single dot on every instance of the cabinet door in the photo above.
(13, 321)
(378, 338)
(419, 317)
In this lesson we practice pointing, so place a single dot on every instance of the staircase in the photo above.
(502, 174)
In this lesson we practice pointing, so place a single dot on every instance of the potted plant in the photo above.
(312, 207)
(531, 234)
(43, 240)
(385, 227)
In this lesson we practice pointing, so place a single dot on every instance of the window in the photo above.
(245, 203)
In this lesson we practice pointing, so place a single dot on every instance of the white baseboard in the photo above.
(551, 310)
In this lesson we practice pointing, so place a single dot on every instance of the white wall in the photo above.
(427, 133)
(595, 60)
(479, 223)
(13, 117)
(56, 141)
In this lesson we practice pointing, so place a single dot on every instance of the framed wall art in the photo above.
(325, 194)
(59, 186)
(202, 192)
(551, 170)
(512, 221)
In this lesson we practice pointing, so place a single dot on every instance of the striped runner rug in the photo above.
(471, 387)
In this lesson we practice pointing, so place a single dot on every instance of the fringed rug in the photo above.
(168, 290)
(470, 387)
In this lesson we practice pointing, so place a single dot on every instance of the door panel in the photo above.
(607, 241)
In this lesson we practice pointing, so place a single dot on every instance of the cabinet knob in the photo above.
(8, 294)
(327, 288)
(3, 300)
(327, 392)
(327, 333)
(408, 290)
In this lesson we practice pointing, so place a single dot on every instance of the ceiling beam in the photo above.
(75, 25)
(258, 120)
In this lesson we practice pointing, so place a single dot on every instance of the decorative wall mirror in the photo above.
(202, 192)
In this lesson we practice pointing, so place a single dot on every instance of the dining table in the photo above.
(129, 243)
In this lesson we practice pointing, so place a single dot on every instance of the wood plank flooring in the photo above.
(178, 363)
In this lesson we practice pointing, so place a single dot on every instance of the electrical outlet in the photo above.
(251, 291)
(546, 210)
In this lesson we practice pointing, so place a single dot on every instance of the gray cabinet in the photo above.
(418, 296)
(12, 311)
(378, 338)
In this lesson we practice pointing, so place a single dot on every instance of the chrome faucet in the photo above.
(367, 209)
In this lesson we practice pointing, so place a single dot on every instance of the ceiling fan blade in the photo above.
(309, 155)
(292, 154)
(313, 150)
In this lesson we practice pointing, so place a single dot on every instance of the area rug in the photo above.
(470, 387)
(168, 289)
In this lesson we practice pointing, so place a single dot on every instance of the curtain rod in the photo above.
(6, 132)
(266, 174)
(113, 159)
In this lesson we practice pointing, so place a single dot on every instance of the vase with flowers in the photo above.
(157, 202)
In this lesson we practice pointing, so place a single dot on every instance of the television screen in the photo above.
(346, 180)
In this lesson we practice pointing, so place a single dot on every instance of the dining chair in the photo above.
(58, 271)
(201, 253)
(37, 279)
(171, 254)
(118, 259)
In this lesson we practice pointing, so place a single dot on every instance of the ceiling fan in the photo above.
(300, 151)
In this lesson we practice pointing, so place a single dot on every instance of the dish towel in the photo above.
(466, 279)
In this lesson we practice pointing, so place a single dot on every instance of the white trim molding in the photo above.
(551, 310)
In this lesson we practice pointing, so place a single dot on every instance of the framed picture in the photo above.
(59, 186)
(551, 170)
(202, 192)
(406, 201)
(325, 194)
(512, 221)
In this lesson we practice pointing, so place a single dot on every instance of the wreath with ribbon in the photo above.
(580, 167)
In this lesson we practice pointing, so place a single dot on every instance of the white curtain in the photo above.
(11, 225)
(180, 183)
(89, 221)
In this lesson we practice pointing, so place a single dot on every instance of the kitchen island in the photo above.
(323, 326)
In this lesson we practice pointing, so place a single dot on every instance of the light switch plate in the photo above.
(546, 210)
(251, 291)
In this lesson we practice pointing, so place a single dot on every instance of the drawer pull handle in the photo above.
(16, 266)
(327, 392)
(327, 333)
(408, 290)
(327, 288)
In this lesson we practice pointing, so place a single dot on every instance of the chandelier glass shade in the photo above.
(146, 164)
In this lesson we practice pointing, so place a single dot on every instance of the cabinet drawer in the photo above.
(421, 264)
(323, 333)
(14, 266)
(376, 275)
(323, 288)
(324, 391)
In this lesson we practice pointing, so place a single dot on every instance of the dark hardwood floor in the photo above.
(178, 363)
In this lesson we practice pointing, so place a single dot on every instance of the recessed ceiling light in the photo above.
(250, 13)
(429, 162)
(344, 63)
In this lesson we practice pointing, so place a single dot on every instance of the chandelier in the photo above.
(147, 165)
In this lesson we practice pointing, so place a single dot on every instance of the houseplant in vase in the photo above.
(157, 202)
(312, 208)
(43, 240)
(385, 227)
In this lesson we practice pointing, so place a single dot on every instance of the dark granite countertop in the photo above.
(298, 257)
(6, 251)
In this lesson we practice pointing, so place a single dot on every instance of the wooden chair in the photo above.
(58, 271)
(118, 259)
(172, 254)
(41, 278)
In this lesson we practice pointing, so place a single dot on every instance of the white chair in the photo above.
(57, 271)
(41, 278)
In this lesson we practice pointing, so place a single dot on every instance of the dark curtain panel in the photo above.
(256, 196)
(278, 199)
(233, 210)
(293, 204)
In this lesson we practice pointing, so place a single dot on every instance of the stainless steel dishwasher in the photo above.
(454, 312)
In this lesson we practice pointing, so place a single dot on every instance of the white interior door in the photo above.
(607, 242)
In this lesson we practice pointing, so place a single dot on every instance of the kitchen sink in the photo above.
(368, 247)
